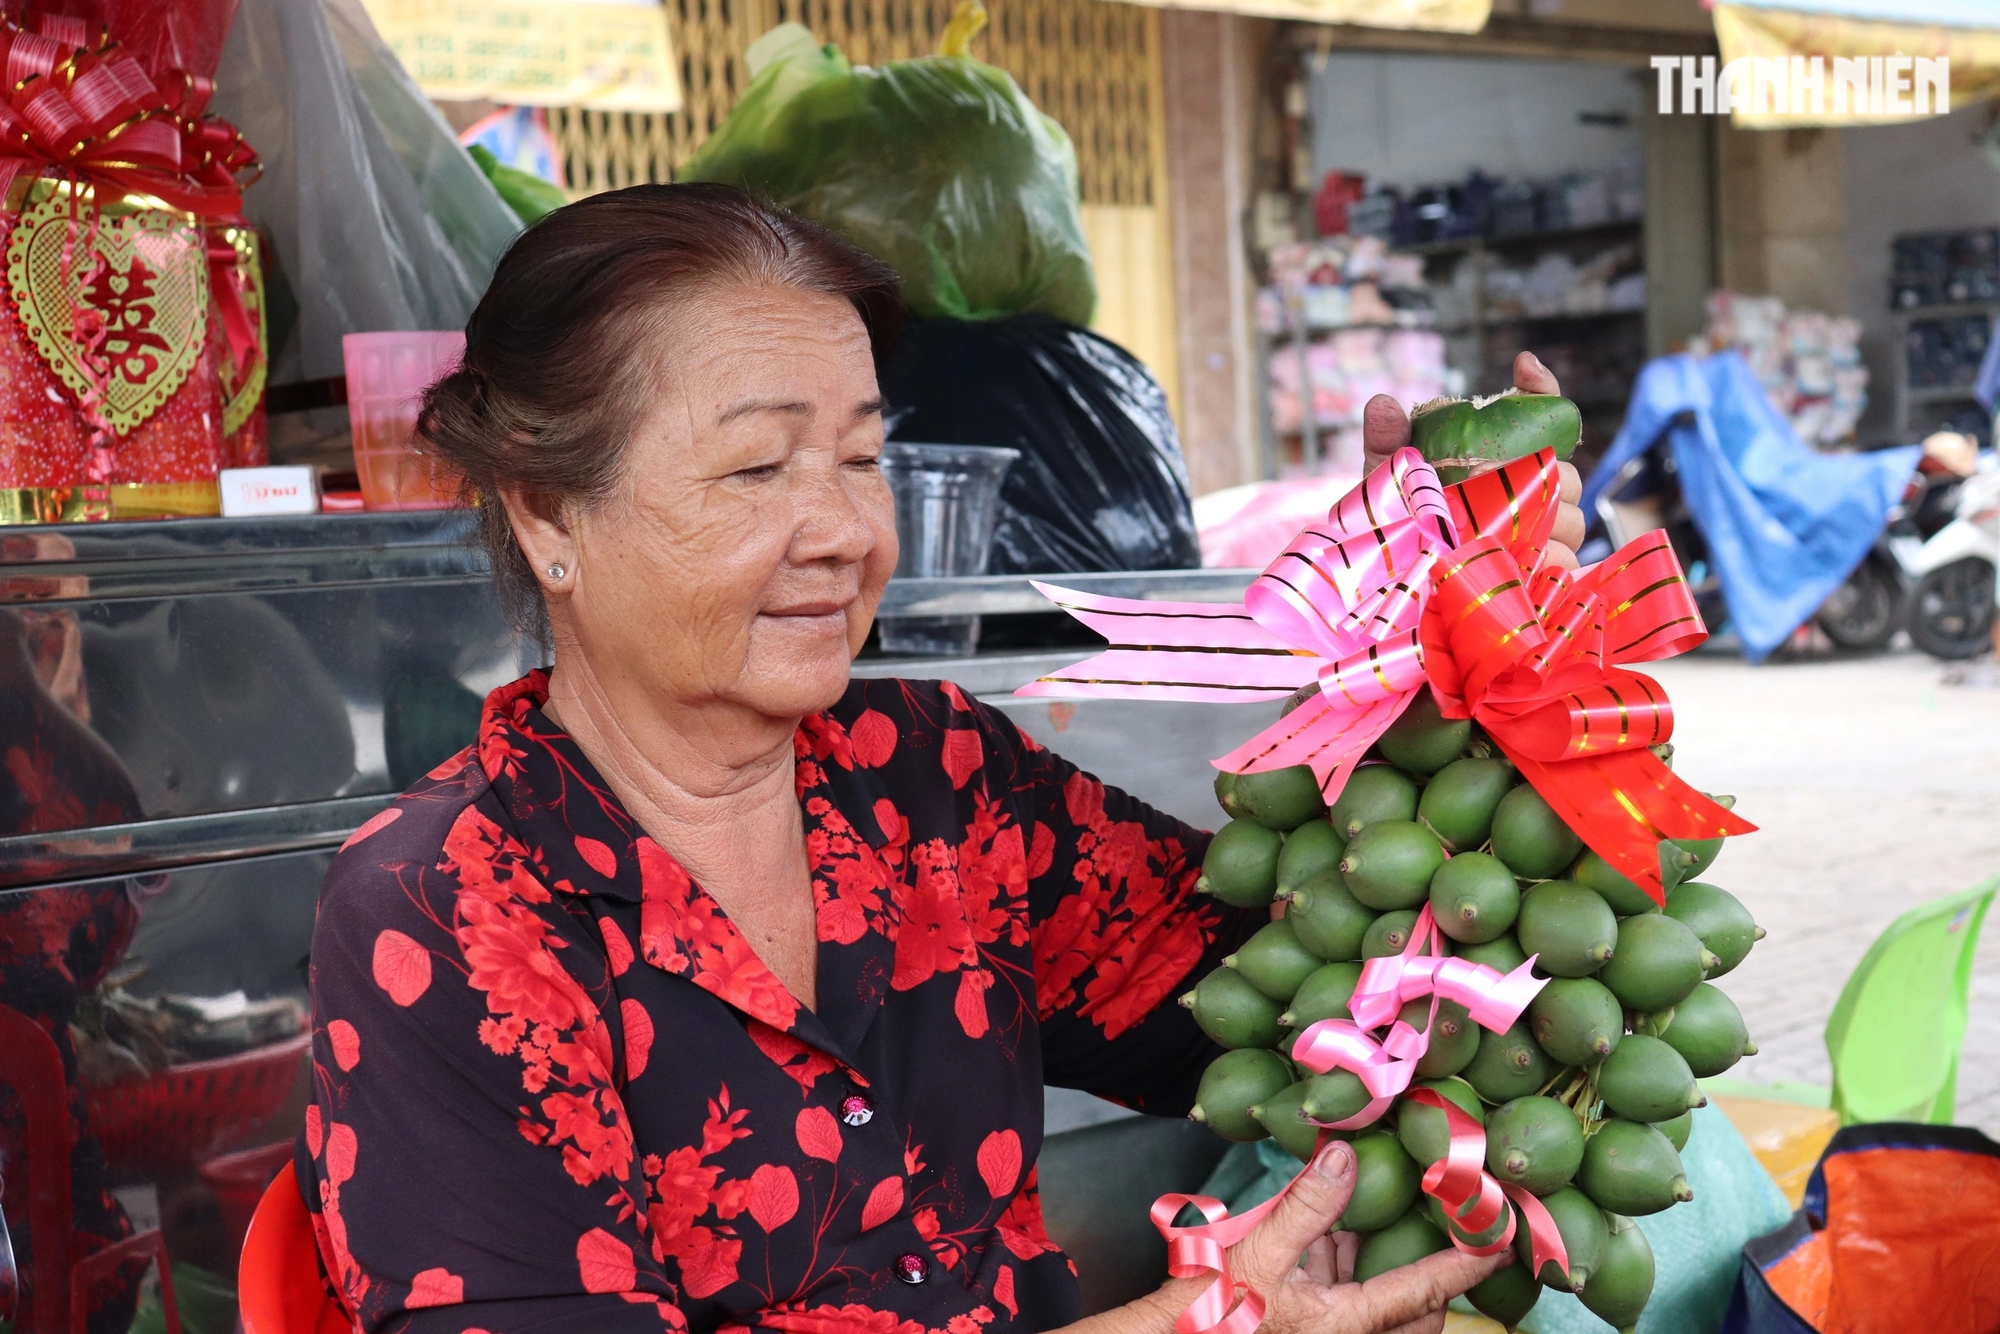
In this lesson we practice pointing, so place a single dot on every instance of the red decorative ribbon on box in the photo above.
(78, 103)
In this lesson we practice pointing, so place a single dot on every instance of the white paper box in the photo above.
(248, 491)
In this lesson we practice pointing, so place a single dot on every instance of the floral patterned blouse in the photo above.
(555, 1089)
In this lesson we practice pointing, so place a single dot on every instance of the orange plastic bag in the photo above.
(1900, 1230)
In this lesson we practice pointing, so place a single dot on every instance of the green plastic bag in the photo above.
(939, 166)
(531, 197)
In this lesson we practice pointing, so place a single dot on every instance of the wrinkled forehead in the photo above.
(739, 356)
(721, 338)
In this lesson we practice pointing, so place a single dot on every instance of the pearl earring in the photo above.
(556, 571)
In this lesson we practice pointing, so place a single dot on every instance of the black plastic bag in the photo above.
(1100, 484)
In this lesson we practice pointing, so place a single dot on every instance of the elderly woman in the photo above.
(710, 989)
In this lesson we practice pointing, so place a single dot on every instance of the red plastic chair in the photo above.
(281, 1287)
(30, 1063)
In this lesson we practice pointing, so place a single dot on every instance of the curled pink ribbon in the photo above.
(1460, 1178)
(1386, 1065)
(1224, 1306)
(1341, 606)
(1494, 1000)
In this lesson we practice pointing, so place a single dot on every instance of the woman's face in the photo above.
(753, 531)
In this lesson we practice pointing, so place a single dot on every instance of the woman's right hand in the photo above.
(1319, 1296)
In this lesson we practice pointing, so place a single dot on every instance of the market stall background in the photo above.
(248, 694)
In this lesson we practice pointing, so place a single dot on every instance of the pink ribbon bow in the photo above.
(1386, 1065)
(1203, 1248)
(1341, 606)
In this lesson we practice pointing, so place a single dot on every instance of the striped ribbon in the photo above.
(1341, 607)
(1538, 660)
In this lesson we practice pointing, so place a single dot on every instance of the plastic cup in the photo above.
(387, 374)
(947, 502)
(238, 1181)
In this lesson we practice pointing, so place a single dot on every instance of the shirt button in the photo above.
(912, 1268)
(856, 1110)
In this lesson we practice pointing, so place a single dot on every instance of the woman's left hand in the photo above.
(1385, 428)
(1305, 1273)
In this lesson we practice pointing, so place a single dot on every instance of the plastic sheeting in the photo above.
(378, 219)
(939, 167)
(1249, 526)
(1784, 525)
(1100, 484)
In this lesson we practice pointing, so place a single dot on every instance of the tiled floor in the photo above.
(1876, 787)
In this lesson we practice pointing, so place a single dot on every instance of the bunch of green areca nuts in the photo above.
(1586, 1101)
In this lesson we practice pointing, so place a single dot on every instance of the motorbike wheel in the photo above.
(1951, 613)
(1861, 614)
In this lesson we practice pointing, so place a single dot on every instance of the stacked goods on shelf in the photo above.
(1350, 367)
(1354, 318)
(1481, 205)
(1809, 363)
(1945, 290)
(1491, 966)
(1943, 268)
(1338, 282)
(1556, 284)
(1946, 353)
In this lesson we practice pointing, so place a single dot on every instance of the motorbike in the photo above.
(1952, 603)
(1863, 614)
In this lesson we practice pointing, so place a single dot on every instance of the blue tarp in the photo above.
(1987, 387)
(1784, 525)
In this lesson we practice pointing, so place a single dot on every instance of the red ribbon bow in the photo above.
(1537, 660)
(78, 103)
(1536, 655)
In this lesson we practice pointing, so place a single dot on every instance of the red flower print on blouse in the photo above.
(856, 880)
(684, 930)
(933, 936)
(792, 1055)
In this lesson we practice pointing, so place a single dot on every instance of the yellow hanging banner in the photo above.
(1787, 69)
(612, 57)
(1412, 15)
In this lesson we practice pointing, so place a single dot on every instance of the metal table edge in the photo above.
(141, 846)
